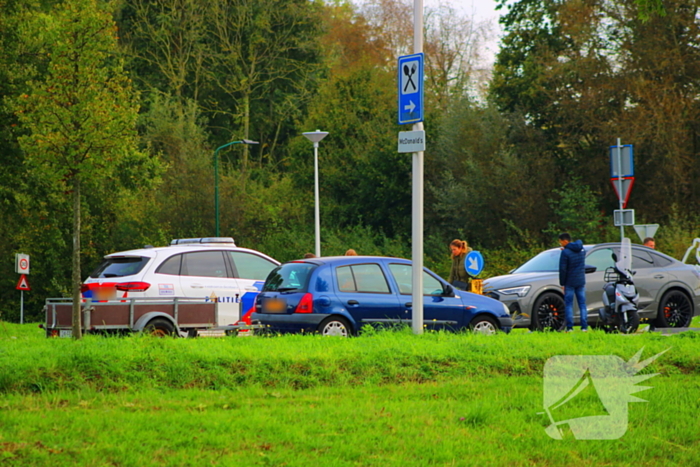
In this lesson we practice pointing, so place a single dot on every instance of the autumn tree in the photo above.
(81, 114)
(585, 73)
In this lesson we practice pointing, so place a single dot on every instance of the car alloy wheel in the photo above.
(675, 310)
(484, 325)
(548, 313)
(334, 327)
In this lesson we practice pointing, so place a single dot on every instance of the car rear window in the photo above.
(289, 277)
(120, 266)
(661, 262)
(641, 260)
(204, 264)
(364, 278)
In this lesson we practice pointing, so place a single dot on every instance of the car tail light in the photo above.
(133, 286)
(306, 304)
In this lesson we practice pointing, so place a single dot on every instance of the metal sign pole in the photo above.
(21, 307)
(619, 188)
(317, 211)
(315, 137)
(417, 217)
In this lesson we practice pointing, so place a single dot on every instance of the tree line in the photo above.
(111, 112)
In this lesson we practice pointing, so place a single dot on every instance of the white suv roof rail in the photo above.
(190, 241)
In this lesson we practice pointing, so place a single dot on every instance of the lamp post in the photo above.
(315, 137)
(216, 176)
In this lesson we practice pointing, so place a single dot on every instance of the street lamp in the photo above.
(315, 137)
(216, 176)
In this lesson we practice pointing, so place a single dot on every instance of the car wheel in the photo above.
(548, 313)
(159, 327)
(483, 325)
(632, 323)
(334, 326)
(675, 310)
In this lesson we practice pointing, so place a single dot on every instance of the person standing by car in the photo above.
(572, 277)
(459, 277)
(650, 242)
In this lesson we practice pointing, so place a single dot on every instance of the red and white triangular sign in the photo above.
(627, 183)
(23, 283)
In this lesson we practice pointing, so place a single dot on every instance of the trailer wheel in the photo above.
(159, 327)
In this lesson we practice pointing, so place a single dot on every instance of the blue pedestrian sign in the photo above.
(474, 263)
(411, 89)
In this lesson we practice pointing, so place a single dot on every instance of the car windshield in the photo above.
(547, 261)
(289, 277)
(120, 266)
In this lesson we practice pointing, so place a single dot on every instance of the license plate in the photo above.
(65, 333)
(103, 293)
(274, 305)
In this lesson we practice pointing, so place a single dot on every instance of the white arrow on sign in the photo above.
(474, 263)
(410, 106)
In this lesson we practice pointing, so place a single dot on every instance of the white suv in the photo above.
(214, 269)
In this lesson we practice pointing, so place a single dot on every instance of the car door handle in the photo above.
(408, 304)
(659, 276)
(196, 286)
(353, 302)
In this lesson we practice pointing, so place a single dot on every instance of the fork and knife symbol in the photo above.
(409, 72)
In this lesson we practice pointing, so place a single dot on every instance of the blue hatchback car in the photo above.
(339, 295)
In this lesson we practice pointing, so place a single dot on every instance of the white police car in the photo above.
(213, 268)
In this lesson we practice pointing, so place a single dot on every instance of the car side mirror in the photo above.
(590, 269)
(449, 291)
(614, 257)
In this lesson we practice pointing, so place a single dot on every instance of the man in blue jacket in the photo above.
(572, 277)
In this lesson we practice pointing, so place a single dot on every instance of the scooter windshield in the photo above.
(624, 261)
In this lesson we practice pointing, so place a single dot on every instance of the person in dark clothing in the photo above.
(572, 277)
(459, 277)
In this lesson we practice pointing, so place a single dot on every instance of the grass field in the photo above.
(392, 399)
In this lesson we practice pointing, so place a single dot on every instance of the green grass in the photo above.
(392, 399)
(464, 421)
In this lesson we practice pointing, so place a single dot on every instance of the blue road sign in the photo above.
(411, 88)
(474, 263)
(626, 161)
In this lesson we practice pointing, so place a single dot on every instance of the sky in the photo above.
(483, 10)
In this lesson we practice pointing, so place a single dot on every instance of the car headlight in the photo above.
(519, 291)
